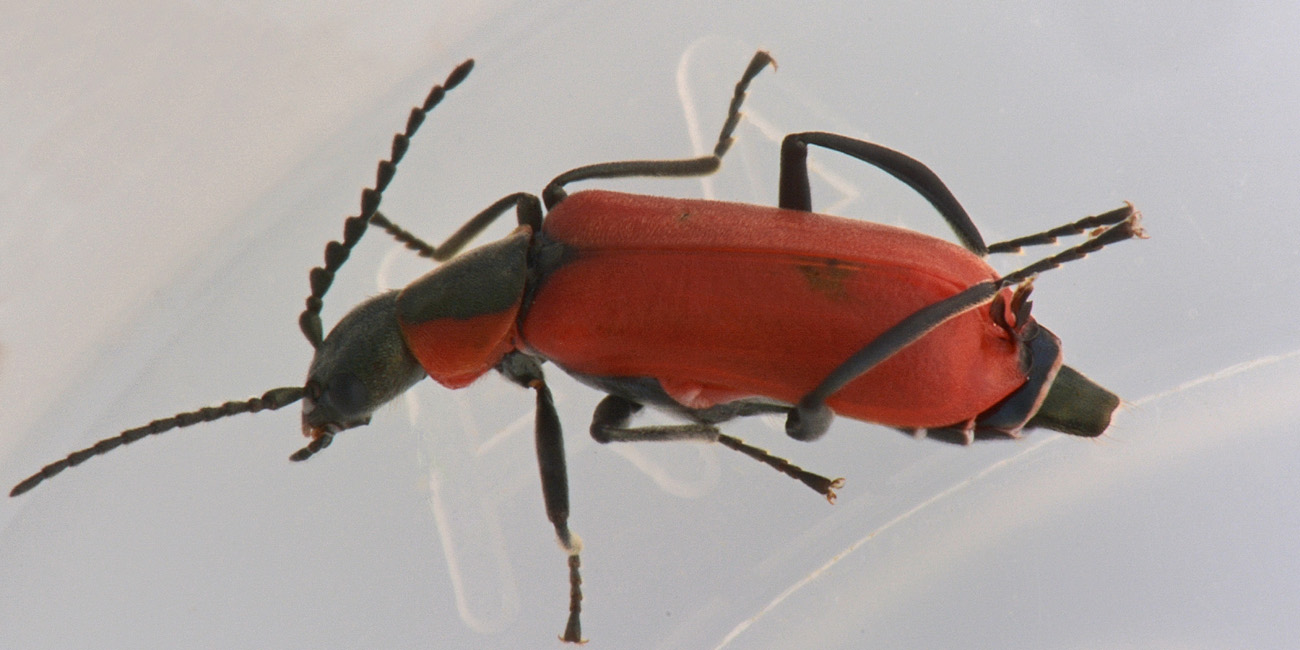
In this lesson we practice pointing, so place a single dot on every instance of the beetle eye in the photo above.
(347, 394)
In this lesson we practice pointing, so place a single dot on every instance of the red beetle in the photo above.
(709, 310)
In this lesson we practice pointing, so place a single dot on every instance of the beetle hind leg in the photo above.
(795, 193)
(609, 424)
(1086, 224)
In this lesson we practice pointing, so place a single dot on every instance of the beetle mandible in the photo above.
(706, 309)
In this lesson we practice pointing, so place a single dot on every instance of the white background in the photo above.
(170, 171)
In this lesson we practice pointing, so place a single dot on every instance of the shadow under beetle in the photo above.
(706, 309)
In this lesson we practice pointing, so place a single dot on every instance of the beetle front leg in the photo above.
(336, 252)
(701, 166)
(609, 424)
(548, 437)
(555, 492)
(528, 211)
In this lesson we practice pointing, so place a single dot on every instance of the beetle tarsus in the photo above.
(1079, 227)
(573, 628)
(820, 484)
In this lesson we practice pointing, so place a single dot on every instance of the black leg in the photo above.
(548, 437)
(1077, 228)
(555, 492)
(703, 166)
(528, 211)
(609, 424)
(811, 417)
(795, 193)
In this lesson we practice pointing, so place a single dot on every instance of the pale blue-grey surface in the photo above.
(170, 172)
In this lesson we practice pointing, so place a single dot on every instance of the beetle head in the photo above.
(360, 366)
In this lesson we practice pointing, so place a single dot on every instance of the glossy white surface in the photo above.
(171, 171)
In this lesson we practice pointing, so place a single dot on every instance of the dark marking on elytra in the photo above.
(828, 277)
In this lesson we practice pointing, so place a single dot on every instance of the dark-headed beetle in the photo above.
(706, 309)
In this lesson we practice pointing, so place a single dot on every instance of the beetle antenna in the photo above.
(336, 252)
(269, 401)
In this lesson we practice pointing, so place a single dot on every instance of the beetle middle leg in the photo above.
(612, 415)
(528, 212)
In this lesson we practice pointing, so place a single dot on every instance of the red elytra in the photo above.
(710, 310)
(725, 301)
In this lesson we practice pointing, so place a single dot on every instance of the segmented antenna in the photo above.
(269, 401)
(336, 252)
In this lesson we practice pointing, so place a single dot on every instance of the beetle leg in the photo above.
(609, 424)
(548, 437)
(795, 193)
(555, 492)
(1079, 227)
(811, 417)
(528, 211)
(822, 485)
(702, 166)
